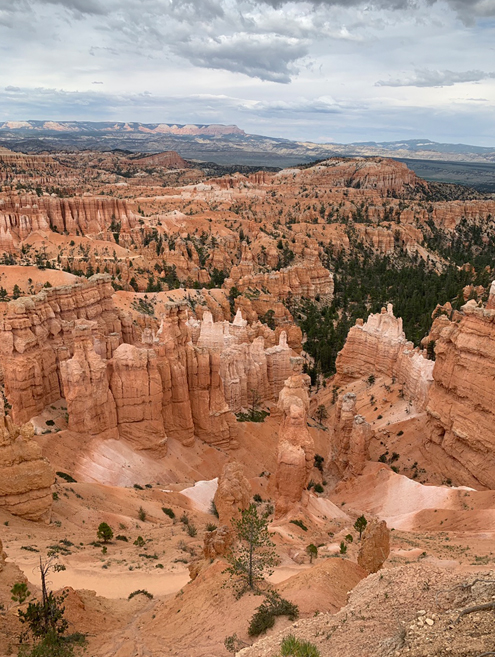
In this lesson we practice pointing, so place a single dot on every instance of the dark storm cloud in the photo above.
(264, 56)
(427, 78)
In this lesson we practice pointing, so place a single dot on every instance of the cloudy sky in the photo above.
(321, 70)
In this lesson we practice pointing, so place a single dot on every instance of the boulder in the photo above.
(375, 546)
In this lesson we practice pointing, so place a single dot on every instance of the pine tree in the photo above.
(253, 555)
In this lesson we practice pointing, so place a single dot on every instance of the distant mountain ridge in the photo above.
(110, 127)
(72, 132)
(230, 146)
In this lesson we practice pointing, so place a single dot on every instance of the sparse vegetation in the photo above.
(144, 592)
(265, 615)
(292, 647)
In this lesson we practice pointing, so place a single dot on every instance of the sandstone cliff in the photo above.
(379, 346)
(25, 477)
(461, 402)
(91, 216)
(131, 377)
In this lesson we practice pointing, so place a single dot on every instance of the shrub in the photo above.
(184, 519)
(257, 498)
(140, 592)
(67, 477)
(120, 537)
(20, 592)
(139, 542)
(168, 512)
(142, 514)
(266, 613)
(300, 524)
(138, 487)
(104, 533)
(233, 644)
(191, 529)
(213, 509)
(318, 488)
(349, 538)
(292, 647)
(343, 547)
(318, 463)
(210, 527)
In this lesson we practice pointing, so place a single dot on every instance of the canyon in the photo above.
(178, 347)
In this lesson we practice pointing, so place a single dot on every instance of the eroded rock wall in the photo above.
(25, 476)
(379, 346)
(461, 402)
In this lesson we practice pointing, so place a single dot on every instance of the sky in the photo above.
(319, 70)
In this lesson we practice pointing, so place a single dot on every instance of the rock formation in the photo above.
(375, 546)
(37, 334)
(217, 542)
(379, 346)
(233, 494)
(295, 445)
(21, 216)
(25, 476)
(461, 403)
(351, 438)
(311, 280)
(136, 387)
(90, 402)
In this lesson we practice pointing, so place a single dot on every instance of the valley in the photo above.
(182, 344)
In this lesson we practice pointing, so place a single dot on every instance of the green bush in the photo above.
(140, 592)
(142, 514)
(104, 533)
(168, 512)
(121, 537)
(67, 477)
(318, 488)
(292, 647)
(191, 529)
(343, 547)
(267, 612)
(299, 523)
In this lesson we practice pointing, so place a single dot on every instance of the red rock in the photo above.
(233, 494)
(295, 446)
(25, 476)
(374, 548)
(351, 438)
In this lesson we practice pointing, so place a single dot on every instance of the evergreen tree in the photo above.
(253, 555)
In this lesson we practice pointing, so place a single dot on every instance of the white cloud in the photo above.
(428, 78)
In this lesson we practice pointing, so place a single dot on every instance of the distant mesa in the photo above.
(193, 130)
